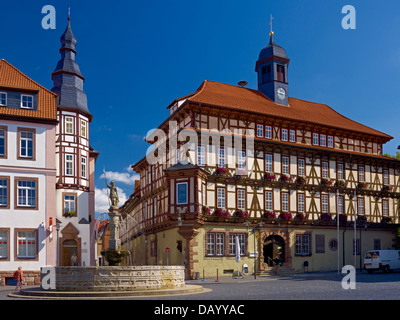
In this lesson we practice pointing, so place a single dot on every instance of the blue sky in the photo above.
(138, 56)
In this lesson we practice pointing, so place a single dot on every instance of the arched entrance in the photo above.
(69, 248)
(273, 248)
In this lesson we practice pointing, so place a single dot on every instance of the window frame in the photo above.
(84, 167)
(330, 141)
(6, 98)
(6, 239)
(19, 144)
(315, 139)
(242, 199)
(267, 200)
(5, 129)
(259, 130)
(75, 201)
(322, 137)
(201, 155)
(284, 134)
(385, 201)
(285, 165)
(22, 101)
(179, 203)
(301, 246)
(16, 197)
(286, 202)
(292, 134)
(218, 197)
(301, 167)
(66, 123)
(7, 178)
(268, 129)
(324, 204)
(66, 165)
(269, 163)
(17, 257)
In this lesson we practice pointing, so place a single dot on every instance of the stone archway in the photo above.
(68, 243)
(270, 240)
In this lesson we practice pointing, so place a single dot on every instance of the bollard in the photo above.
(217, 277)
(204, 279)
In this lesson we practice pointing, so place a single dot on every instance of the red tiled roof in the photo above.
(14, 79)
(244, 99)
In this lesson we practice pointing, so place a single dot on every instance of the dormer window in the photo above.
(3, 99)
(26, 101)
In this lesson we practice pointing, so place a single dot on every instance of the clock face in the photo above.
(281, 93)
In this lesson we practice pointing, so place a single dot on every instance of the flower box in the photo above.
(340, 183)
(221, 171)
(362, 185)
(240, 173)
(387, 188)
(206, 210)
(361, 219)
(241, 214)
(287, 216)
(269, 214)
(386, 220)
(327, 182)
(221, 212)
(269, 176)
(325, 217)
(286, 178)
(302, 180)
(69, 213)
(342, 218)
(301, 216)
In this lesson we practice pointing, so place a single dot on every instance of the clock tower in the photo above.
(271, 68)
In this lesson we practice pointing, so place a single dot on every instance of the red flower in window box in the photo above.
(221, 171)
(241, 214)
(325, 217)
(269, 176)
(285, 216)
(221, 212)
(302, 180)
(286, 178)
(206, 210)
(327, 182)
(362, 185)
(301, 216)
(269, 214)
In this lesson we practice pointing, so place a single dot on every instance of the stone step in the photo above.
(278, 270)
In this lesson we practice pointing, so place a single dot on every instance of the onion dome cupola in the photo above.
(272, 69)
(67, 77)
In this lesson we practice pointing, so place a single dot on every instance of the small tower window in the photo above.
(266, 73)
(280, 73)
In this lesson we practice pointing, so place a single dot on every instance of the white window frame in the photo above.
(385, 207)
(6, 188)
(340, 205)
(4, 244)
(268, 162)
(324, 203)
(210, 244)
(301, 166)
(241, 160)
(284, 134)
(325, 169)
(5, 98)
(83, 167)
(3, 137)
(241, 199)
(301, 202)
(360, 206)
(285, 165)
(26, 140)
(292, 135)
(269, 201)
(322, 140)
(27, 102)
(83, 126)
(315, 140)
(285, 202)
(260, 130)
(268, 132)
(69, 202)
(361, 174)
(25, 193)
(330, 142)
(221, 199)
(221, 158)
(386, 176)
(340, 171)
(69, 121)
(69, 165)
(201, 156)
(24, 250)
(219, 244)
(178, 202)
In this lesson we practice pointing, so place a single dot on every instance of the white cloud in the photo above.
(123, 177)
(102, 201)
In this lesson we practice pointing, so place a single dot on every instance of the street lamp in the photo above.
(58, 227)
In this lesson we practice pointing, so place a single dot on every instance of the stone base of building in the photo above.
(119, 278)
(31, 278)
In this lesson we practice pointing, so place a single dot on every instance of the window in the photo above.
(3, 142)
(292, 136)
(241, 160)
(315, 141)
(322, 140)
(268, 162)
(333, 244)
(340, 205)
(83, 128)
(260, 132)
(182, 193)
(83, 167)
(232, 243)
(26, 244)
(221, 197)
(284, 135)
(70, 204)
(301, 164)
(268, 201)
(303, 244)
(324, 203)
(3, 99)
(280, 72)
(201, 156)
(203, 194)
(330, 141)
(4, 194)
(26, 101)
(221, 157)
(325, 169)
(300, 202)
(319, 243)
(210, 239)
(220, 244)
(241, 199)
(69, 165)
(340, 171)
(69, 125)
(385, 207)
(26, 193)
(4, 244)
(285, 202)
(386, 177)
(361, 174)
(26, 143)
(360, 206)
(268, 132)
(285, 164)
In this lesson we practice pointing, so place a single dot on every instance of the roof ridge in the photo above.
(30, 79)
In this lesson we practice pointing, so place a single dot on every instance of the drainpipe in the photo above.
(344, 230)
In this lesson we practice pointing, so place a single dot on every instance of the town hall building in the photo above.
(291, 198)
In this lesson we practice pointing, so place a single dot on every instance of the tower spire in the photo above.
(271, 33)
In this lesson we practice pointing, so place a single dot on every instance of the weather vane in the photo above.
(270, 23)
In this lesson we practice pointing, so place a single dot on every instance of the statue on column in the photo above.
(113, 194)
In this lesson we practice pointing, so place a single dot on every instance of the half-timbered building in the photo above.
(292, 179)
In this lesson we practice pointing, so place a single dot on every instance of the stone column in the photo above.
(115, 241)
(189, 233)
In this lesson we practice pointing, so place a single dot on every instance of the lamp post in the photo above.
(58, 227)
(255, 256)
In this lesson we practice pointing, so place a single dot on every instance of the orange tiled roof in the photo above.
(12, 78)
(244, 99)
